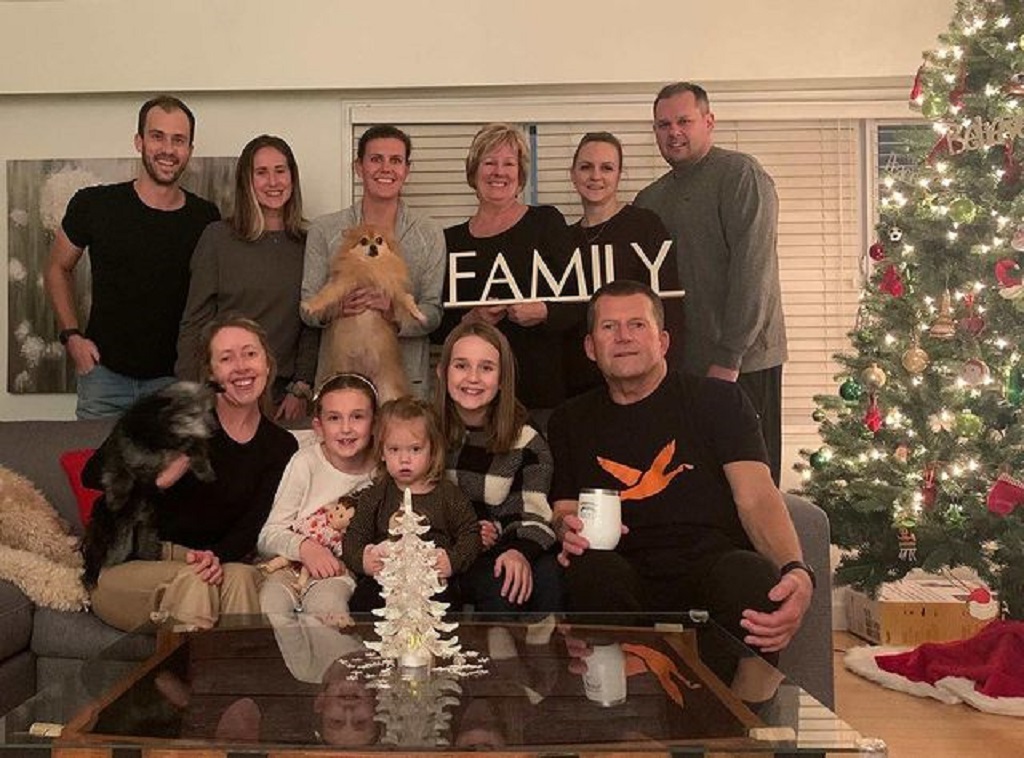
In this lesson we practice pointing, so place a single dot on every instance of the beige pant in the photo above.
(127, 594)
(323, 597)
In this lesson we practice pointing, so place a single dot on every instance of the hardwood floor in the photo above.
(916, 727)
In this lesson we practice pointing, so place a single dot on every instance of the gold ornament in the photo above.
(873, 377)
(944, 327)
(902, 453)
(915, 360)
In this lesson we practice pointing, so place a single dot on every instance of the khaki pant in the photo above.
(323, 597)
(127, 594)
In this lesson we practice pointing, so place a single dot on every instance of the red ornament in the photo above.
(940, 147)
(891, 282)
(873, 417)
(1006, 494)
(877, 252)
(972, 323)
(918, 88)
(1008, 273)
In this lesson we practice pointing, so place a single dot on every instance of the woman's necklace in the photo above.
(593, 233)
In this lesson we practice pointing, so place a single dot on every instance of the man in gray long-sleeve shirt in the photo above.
(722, 210)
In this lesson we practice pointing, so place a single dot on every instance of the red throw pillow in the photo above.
(73, 461)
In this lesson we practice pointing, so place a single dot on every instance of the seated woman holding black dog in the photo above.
(207, 528)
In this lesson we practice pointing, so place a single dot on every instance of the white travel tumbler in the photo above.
(601, 514)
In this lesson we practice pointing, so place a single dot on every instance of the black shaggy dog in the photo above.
(152, 433)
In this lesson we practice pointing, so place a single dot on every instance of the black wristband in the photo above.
(794, 565)
(65, 334)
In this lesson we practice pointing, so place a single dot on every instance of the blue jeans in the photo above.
(103, 392)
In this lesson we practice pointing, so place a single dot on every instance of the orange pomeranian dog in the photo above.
(368, 343)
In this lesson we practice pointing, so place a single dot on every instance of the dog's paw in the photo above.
(410, 307)
(314, 310)
(203, 470)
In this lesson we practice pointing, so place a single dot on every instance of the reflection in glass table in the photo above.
(529, 686)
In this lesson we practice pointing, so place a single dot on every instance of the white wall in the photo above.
(73, 73)
(124, 45)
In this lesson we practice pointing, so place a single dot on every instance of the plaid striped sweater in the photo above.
(508, 488)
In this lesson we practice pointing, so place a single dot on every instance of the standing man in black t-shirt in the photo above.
(140, 236)
(705, 525)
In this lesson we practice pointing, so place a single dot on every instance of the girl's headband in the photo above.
(325, 385)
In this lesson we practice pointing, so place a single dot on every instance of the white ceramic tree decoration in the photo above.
(412, 622)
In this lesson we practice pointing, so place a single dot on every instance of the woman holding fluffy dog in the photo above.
(382, 165)
(503, 226)
(252, 264)
(208, 528)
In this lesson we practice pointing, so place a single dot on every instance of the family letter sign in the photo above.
(575, 283)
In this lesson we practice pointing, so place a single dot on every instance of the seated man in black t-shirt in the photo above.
(704, 525)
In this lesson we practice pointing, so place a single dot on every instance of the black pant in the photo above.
(483, 589)
(604, 582)
(764, 388)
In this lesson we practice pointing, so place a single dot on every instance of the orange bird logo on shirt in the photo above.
(644, 484)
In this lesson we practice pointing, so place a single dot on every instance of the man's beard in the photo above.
(155, 175)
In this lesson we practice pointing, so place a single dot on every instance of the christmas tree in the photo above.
(412, 624)
(923, 446)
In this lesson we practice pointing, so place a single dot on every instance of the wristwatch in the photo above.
(794, 565)
(65, 334)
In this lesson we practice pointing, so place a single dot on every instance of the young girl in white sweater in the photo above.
(340, 464)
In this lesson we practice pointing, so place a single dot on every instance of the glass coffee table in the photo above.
(549, 687)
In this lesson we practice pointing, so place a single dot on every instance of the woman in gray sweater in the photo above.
(251, 264)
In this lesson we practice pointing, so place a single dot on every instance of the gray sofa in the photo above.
(37, 646)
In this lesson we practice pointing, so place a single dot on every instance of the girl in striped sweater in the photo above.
(504, 465)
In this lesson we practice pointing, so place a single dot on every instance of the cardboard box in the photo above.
(913, 611)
